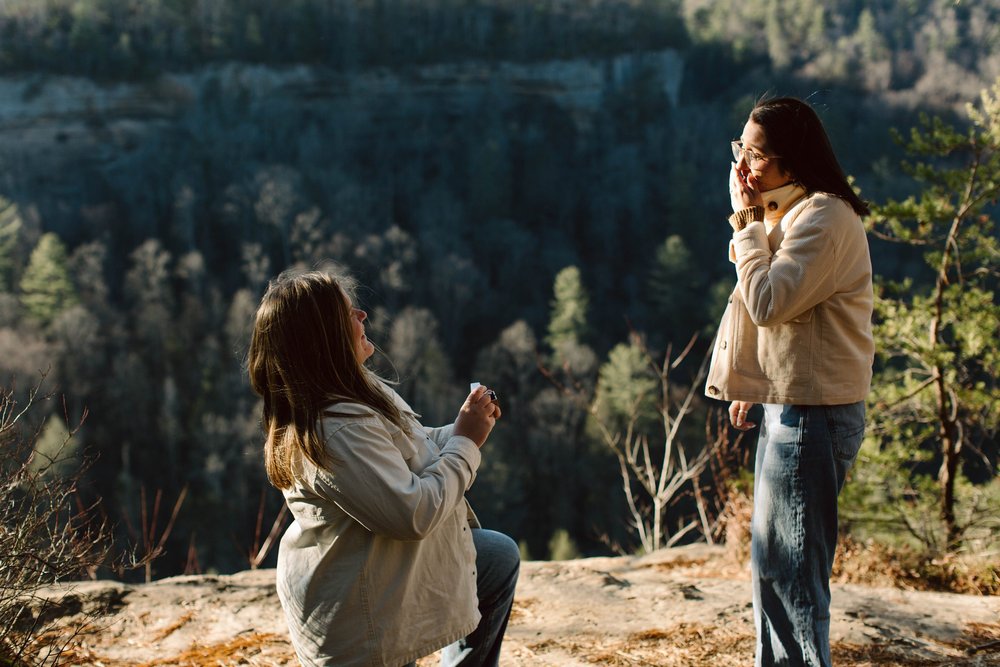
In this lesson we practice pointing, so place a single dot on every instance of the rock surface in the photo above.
(685, 606)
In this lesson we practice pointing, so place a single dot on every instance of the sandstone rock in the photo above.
(685, 606)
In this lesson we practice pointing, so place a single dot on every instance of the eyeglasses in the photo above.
(752, 156)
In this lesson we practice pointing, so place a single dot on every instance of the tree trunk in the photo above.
(951, 446)
(948, 430)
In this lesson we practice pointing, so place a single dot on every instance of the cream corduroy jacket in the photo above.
(797, 329)
(378, 566)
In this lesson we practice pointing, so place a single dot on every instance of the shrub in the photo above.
(47, 535)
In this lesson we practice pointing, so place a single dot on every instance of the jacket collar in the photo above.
(779, 200)
(350, 409)
(401, 405)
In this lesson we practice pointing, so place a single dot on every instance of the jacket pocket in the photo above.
(743, 335)
(404, 442)
(785, 351)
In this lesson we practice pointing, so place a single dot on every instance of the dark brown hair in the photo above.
(301, 361)
(795, 133)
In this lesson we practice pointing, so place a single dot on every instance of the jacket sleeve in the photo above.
(369, 479)
(441, 434)
(780, 287)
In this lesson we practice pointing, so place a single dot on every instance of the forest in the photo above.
(531, 194)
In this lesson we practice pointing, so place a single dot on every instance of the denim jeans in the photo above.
(498, 562)
(803, 455)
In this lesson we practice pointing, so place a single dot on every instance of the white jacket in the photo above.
(379, 567)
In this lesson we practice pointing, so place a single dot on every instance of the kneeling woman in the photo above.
(384, 561)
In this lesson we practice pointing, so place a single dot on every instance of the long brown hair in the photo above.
(302, 360)
(795, 133)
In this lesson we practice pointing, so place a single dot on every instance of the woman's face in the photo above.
(363, 347)
(758, 159)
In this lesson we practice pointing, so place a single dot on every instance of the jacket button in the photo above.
(713, 390)
(722, 345)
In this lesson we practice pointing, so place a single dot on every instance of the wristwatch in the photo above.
(740, 219)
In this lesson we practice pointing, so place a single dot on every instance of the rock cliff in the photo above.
(686, 606)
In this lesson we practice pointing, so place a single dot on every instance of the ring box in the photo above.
(492, 394)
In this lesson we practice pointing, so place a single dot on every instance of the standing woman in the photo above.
(796, 337)
(384, 561)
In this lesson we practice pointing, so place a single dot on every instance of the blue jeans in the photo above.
(498, 561)
(803, 455)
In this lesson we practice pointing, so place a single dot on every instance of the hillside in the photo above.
(51, 123)
(684, 606)
(163, 163)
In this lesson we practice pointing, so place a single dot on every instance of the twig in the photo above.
(923, 385)
(983, 647)
(153, 551)
(276, 527)
(675, 538)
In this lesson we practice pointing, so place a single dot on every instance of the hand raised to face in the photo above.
(744, 189)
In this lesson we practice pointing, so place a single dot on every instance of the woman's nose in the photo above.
(360, 314)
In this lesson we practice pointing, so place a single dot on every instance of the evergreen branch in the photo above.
(893, 238)
(923, 385)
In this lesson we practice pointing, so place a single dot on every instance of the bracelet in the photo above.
(744, 217)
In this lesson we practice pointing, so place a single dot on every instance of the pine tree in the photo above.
(935, 397)
(10, 226)
(46, 289)
(677, 289)
(568, 323)
(627, 386)
(56, 451)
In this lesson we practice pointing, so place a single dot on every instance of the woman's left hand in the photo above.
(744, 190)
(478, 415)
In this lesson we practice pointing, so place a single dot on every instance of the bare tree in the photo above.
(637, 411)
(48, 534)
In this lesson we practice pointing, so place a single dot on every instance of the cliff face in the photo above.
(49, 121)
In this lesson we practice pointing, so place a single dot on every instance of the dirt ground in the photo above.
(680, 607)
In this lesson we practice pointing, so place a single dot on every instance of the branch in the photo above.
(630, 499)
(6, 421)
(951, 244)
(882, 236)
(699, 499)
(982, 647)
(675, 538)
(911, 528)
(686, 405)
(923, 385)
(173, 518)
(648, 464)
(271, 537)
(683, 355)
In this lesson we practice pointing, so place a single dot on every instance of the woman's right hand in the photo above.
(477, 417)
(744, 190)
(738, 415)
